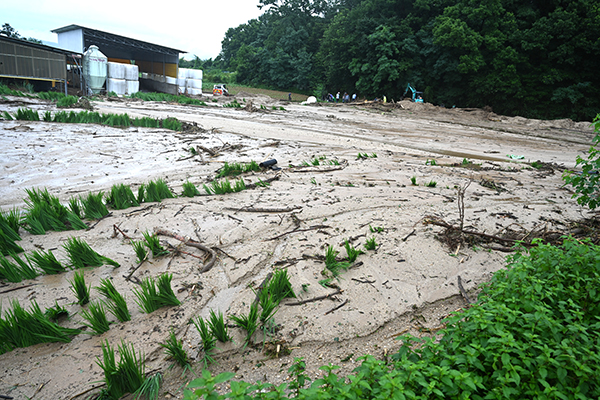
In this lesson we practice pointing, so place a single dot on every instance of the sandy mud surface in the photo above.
(408, 284)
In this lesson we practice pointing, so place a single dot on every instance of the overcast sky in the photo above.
(195, 26)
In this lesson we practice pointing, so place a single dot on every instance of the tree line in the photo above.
(535, 58)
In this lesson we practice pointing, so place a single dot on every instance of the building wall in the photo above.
(23, 61)
(71, 40)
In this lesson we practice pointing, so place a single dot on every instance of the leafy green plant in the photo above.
(431, 162)
(121, 197)
(154, 294)
(189, 190)
(216, 322)
(139, 246)
(21, 270)
(46, 261)
(75, 207)
(313, 181)
(352, 253)
(126, 376)
(587, 183)
(23, 328)
(174, 350)
(12, 219)
(96, 318)
(44, 212)
(82, 255)
(268, 306)
(172, 123)
(153, 243)
(26, 114)
(247, 322)
(78, 287)
(117, 305)
(66, 101)
(413, 180)
(364, 156)
(208, 340)
(8, 237)
(371, 244)
(432, 184)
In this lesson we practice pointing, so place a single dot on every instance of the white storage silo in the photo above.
(94, 68)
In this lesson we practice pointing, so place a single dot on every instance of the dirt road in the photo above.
(408, 284)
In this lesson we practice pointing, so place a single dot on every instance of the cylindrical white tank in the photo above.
(94, 68)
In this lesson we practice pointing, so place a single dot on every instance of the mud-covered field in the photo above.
(409, 283)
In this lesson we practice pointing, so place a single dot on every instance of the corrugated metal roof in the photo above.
(102, 38)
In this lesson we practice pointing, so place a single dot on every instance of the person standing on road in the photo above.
(337, 97)
(289, 97)
(353, 97)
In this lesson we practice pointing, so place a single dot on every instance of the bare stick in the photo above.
(128, 277)
(265, 210)
(462, 290)
(300, 230)
(409, 235)
(97, 222)
(17, 288)
(326, 296)
(180, 210)
(191, 242)
(116, 228)
(337, 307)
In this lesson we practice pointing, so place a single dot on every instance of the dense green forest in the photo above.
(535, 58)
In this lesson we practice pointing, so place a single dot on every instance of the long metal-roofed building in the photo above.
(158, 64)
(21, 59)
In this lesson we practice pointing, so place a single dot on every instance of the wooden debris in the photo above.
(326, 296)
(337, 307)
(265, 210)
(192, 243)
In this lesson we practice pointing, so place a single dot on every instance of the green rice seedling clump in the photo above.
(280, 287)
(56, 312)
(139, 246)
(22, 328)
(8, 237)
(121, 197)
(150, 388)
(207, 338)
(371, 243)
(96, 318)
(12, 218)
(44, 212)
(153, 243)
(82, 255)
(234, 169)
(75, 207)
(93, 206)
(46, 261)
(352, 253)
(224, 187)
(247, 322)
(268, 306)
(146, 122)
(26, 114)
(216, 322)
(189, 190)
(154, 294)
(156, 191)
(66, 101)
(332, 264)
(12, 272)
(413, 180)
(432, 184)
(174, 350)
(172, 123)
(126, 376)
(78, 287)
(117, 304)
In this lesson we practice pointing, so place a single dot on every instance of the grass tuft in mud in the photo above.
(154, 294)
(96, 318)
(22, 328)
(175, 351)
(78, 287)
(216, 322)
(117, 304)
(121, 197)
(93, 206)
(126, 376)
(153, 243)
(46, 261)
(207, 338)
(82, 255)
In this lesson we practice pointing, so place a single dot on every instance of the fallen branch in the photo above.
(17, 288)
(262, 183)
(180, 210)
(191, 242)
(468, 232)
(128, 277)
(409, 235)
(463, 291)
(116, 228)
(326, 296)
(318, 169)
(97, 222)
(337, 307)
(265, 210)
(300, 230)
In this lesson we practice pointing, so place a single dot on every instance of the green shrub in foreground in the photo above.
(535, 333)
